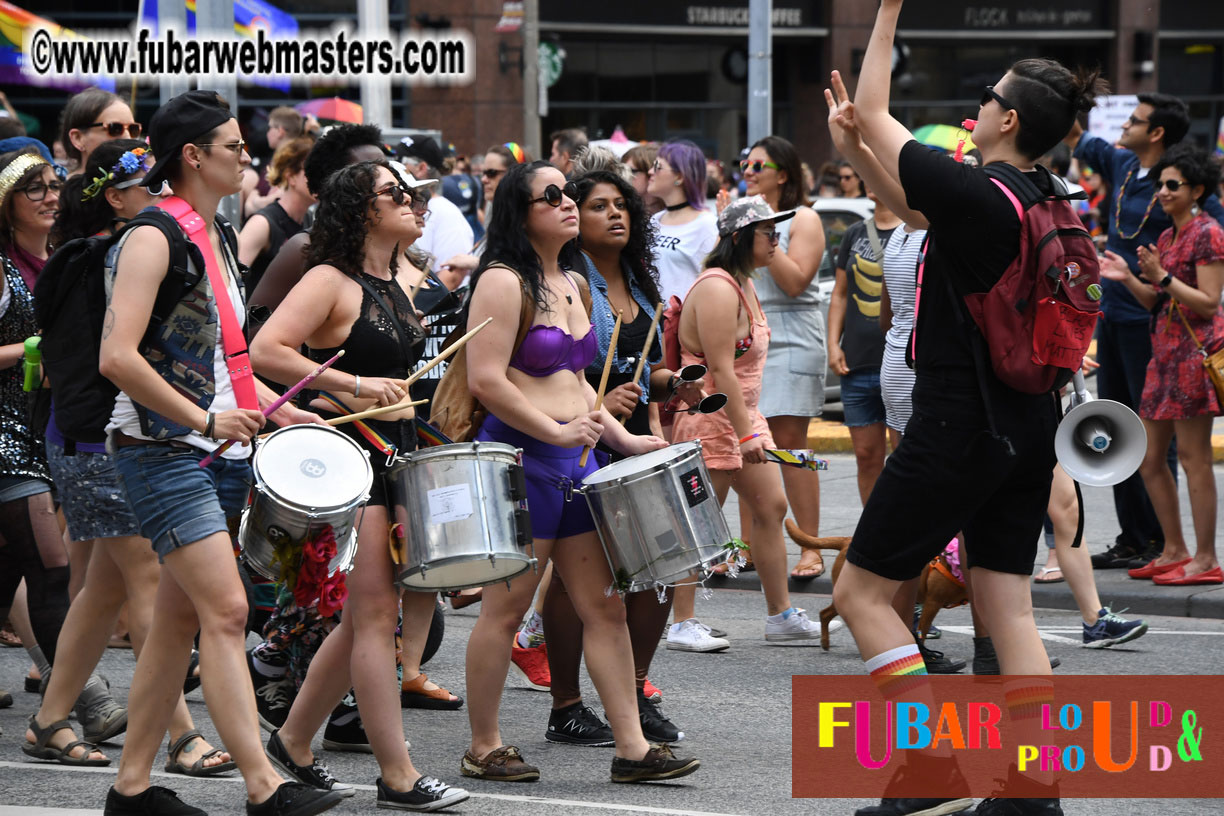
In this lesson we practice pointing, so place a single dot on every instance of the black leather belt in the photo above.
(122, 440)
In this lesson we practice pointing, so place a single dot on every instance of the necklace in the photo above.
(1118, 210)
(675, 207)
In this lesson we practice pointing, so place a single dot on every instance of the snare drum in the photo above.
(464, 516)
(658, 517)
(306, 477)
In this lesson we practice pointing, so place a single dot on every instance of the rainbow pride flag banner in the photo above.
(794, 457)
(14, 20)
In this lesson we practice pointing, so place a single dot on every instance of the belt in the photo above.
(122, 440)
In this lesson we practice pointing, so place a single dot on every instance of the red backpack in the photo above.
(1039, 317)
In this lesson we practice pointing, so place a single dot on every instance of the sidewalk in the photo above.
(840, 508)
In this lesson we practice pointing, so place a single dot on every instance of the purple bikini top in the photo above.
(549, 349)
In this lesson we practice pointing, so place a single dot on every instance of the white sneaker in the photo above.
(796, 626)
(694, 636)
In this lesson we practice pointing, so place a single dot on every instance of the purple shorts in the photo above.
(550, 471)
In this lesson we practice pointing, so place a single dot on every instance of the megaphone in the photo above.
(1099, 442)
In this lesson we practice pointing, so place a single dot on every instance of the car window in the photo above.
(836, 222)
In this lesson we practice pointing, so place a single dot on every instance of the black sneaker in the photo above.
(659, 763)
(316, 774)
(273, 701)
(936, 663)
(428, 794)
(577, 724)
(655, 725)
(986, 661)
(1019, 807)
(295, 799)
(153, 801)
(1117, 556)
(346, 732)
(1151, 553)
(922, 767)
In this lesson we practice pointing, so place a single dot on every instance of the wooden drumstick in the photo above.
(637, 372)
(373, 412)
(603, 380)
(458, 344)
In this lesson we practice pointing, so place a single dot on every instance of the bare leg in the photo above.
(802, 490)
(870, 445)
(1005, 602)
(1194, 451)
(1075, 562)
(1162, 489)
(759, 488)
(865, 600)
(418, 609)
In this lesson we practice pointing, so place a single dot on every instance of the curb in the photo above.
(1143, 599)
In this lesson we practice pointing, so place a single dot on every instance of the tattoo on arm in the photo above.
(108, 322)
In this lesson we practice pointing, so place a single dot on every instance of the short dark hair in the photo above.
(81, 111)
(332, 152)
(1058, 160)
(1048, 97)
(1170, 113)
(1196, 165)
(78, 218)
(570, 138)
(783, 153)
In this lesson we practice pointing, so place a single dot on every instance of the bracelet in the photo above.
(357, 389)
(749, 438)
(210, 425)
(671, 383)
(1164, 283)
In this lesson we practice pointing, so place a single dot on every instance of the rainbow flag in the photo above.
(430, 437)
(13, 23)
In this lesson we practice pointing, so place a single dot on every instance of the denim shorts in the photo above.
(13, 488)
(176, 501)
(862, 400)
(94, 505)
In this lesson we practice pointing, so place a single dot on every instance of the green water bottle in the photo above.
(32, 364)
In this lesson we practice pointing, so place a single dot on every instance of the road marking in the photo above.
(968, 630)
(504, 797)
(7, 810)
(1050, 632)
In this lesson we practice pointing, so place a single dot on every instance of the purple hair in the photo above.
(689, 162)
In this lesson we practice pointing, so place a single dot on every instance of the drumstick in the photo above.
(603, 380)
(373, 412)
(637, 373)
(288, 395)
(416, 287)
(458, 344)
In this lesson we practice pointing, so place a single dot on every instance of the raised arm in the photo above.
(882, 133)
(794, 269)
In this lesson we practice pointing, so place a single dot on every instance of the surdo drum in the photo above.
(463, 515)
(306, 477)
(658, 517)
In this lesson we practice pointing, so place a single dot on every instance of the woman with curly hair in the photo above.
(616, 237)
(365, 220)
(266, 231)
(539, 400)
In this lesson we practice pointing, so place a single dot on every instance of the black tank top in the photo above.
(281, 227)
(373, 347)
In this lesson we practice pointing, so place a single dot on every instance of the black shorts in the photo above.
(400, 434)
(950, 475)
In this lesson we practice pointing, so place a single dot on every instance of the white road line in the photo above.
(1050, 632)
(537, 800)
(8, 810)
(968, 630)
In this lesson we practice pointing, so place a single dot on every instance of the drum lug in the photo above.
(518, 483)
(522, 526)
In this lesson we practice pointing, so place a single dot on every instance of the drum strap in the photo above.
(380, 442)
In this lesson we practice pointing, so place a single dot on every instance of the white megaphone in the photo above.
(1099, 442)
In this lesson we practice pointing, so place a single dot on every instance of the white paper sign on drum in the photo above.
(452, 503)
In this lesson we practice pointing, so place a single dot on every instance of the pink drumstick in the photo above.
(288, 395)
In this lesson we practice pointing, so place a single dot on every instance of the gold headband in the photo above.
(17, 168)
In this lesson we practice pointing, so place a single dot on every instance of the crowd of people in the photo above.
(382, 252)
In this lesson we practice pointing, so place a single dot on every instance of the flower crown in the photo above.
(128, 163)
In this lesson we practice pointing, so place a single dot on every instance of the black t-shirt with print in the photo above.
(862, 341)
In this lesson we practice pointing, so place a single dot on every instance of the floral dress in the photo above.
(1177, 385)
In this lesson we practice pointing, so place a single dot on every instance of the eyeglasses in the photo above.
(1132, 121)
(659, 166)
(161, 188)
(1173, 184)
(38, 190)
(420, 203)
(553, 194)
(769, 235)
(234, 147)
(490, 173)
(115, 129)
(756, 166)
(989, 94)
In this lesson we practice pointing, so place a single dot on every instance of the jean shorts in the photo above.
(862, 400)
(176, 501)
(93, 503)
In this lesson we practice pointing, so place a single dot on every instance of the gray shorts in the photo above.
(88, 487)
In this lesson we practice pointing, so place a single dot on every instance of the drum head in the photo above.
(312, 466)
(641, 463)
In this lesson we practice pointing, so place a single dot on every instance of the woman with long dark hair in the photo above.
(365, 220)
(539, 400)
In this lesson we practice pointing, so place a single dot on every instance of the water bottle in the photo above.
(32, 364)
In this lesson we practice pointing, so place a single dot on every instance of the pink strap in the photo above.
(233, 342)
(1010, 197)
(918, 299)
(719, 273)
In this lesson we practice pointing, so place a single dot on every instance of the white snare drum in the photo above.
(658, 517)
(464, 516)
(306, 477)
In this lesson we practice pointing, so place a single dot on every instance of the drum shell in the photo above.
(656, 529)
(270, 515)
(464, 512)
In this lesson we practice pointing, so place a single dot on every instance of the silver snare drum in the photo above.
(306, 477)
(658, 517)
(464, 516)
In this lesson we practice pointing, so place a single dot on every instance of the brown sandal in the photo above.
(42, 749)
(197, 768)
(413, 694)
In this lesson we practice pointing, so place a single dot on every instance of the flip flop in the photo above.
(1045, 571)
(801, 573)
(197, 768)
(40, 749)
(413, 694)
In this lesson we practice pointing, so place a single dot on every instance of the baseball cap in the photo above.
(746, 211)
(180, 122)
(423, 149)
(406, 179)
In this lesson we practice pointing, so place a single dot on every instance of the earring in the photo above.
(197, 166)
(677, 182)
(1194, 210)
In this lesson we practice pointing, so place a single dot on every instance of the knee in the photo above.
(225, 615)
(380, 615)
(609, 613)
(769, 510)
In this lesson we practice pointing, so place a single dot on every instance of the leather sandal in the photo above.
(197, 768)
(41, 749)
(413, 694)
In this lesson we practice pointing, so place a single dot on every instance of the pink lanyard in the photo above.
(233, 343)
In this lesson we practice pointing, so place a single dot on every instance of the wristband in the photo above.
(357, 388)
(671, 383)
(749, 438)
(1164, 283)
(210, 425)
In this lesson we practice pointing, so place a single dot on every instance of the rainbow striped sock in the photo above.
(1024, 698)
(898, 671)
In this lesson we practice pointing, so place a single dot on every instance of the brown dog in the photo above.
(936, 584)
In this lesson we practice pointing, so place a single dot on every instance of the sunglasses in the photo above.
(850, 177)
(989, 93)
(771, 236)
(161, 188)
(1132, 121)
(398, 195)
(553, 194)
(115, 129)
(38, 190)
(756, 166)
(234, 147)
(490, 173)
(1173, 184)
